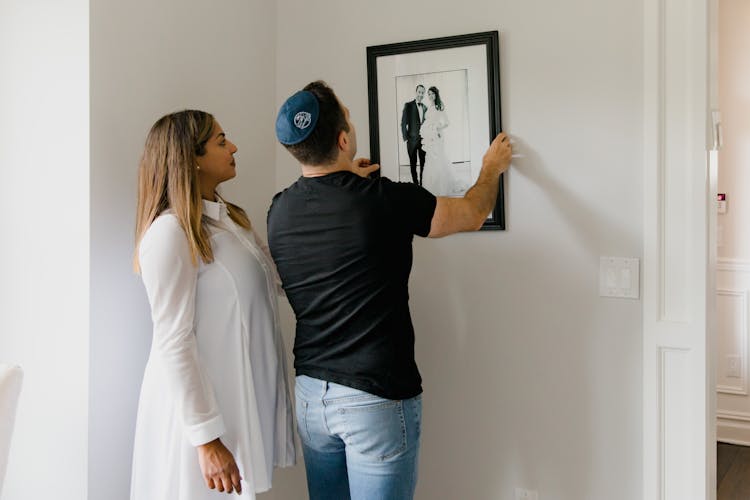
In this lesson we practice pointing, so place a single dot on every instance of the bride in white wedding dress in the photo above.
(437, 177)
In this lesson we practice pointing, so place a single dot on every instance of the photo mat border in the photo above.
(491, 41)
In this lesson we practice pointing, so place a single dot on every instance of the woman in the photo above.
(437, 177)
(214, 412)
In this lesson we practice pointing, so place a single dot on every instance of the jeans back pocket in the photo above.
(375, 428)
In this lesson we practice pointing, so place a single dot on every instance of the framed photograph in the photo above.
(434, 109)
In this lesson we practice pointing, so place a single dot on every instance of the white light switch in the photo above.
(619, 277)
(625, 278)
(611, 278)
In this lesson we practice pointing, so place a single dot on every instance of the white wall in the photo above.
(734, 100)
(530, 378)
(733, 276)
(44, 160)
(148, 59)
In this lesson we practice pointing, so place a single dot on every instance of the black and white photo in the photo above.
(435, 150)
(434, 109)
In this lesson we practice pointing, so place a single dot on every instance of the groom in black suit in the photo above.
(411, 120)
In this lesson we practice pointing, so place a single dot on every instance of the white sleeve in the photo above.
(267, 253)
(170, 278)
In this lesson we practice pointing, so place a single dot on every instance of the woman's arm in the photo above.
(170, 278)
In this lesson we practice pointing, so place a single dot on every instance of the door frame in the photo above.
(679, 397)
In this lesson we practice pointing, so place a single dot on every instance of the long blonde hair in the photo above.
(168, 178)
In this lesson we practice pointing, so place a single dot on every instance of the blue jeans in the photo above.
(357, 446)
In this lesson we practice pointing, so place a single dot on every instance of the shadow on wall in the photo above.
(508, 357)
(587, 223)
(511, 347)
(498, 369)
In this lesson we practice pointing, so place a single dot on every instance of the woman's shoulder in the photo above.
(165, 223)
(165, 231)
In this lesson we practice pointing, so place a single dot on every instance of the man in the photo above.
(412, 118)
(342, 245)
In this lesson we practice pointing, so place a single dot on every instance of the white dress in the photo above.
(437, 177)
(216, 367)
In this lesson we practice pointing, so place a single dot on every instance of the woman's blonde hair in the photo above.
(168, 178)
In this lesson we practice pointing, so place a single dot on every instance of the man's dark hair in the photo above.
(320, 147)
(417, 87)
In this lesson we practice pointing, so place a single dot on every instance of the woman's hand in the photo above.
(219, 468)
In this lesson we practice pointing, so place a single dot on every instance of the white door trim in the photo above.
(678, 390)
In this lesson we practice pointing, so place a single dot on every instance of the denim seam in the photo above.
(404, 444)
(404, 433)
(324, 409)
(370, 408)
(305, 418)
(347, 399)
(417, 418)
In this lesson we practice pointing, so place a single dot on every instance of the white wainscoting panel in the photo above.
(675, 405)
(733, 328)
(731, 308)
(733, 265)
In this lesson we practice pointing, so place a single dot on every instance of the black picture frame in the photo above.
(490, 42)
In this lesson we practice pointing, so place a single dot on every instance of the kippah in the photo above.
(297, 118)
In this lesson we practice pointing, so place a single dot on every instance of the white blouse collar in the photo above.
(214, 209)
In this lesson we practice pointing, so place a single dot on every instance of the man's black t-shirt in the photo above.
(342, 246)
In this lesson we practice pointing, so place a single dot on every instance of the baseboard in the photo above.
(734, 441)
(733, 428)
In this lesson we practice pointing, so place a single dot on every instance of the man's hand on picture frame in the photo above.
(363, 168)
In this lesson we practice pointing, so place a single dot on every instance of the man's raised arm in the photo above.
(455, 215)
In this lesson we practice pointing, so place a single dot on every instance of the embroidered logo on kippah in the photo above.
(302, 120)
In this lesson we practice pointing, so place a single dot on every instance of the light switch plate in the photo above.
(619, 277)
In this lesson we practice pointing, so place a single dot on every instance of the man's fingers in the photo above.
(503, 143)
(362, 162)
(210, 483)
(365, 170)
(501, 139)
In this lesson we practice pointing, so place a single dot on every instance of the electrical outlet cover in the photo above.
(524, 494)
